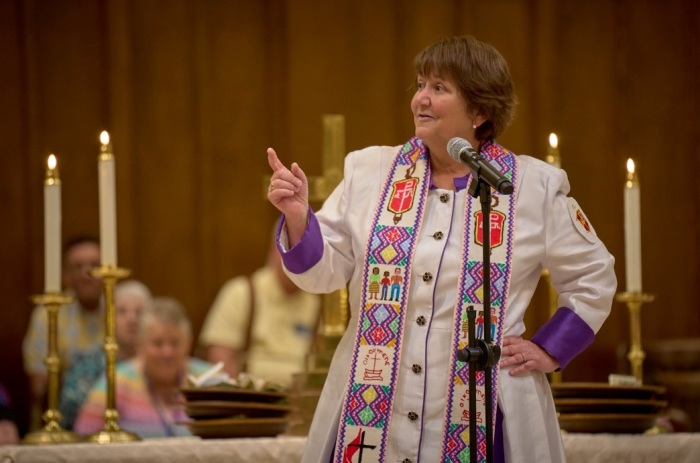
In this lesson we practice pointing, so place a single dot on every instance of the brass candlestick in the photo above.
(111, 432)
(636, 355)
(52, 433)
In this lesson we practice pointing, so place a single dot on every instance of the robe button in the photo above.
(417, 368)
(444, 197)
(437, 235)
(427, 276)
(407, 460)
(420, 320)
(413, 416)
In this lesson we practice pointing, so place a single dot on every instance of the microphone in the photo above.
(461, 151)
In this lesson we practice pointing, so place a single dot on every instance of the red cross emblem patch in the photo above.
(497, 220)
(402, 195)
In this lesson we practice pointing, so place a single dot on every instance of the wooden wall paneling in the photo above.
(233, 110)
(319, 53)
(665, 173)
(276, 79)
(165, 144)
(586, 73)
(15, 245)
(691, 44)
(377, 86)
(119, 122)
(69, 117)
(357, 64)
(545, 31)
(206, 127)
(34, 151)
(505, 26)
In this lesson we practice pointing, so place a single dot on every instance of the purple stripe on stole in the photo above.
(564, 336)
(307, 252)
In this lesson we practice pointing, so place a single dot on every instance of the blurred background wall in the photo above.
(194, 91)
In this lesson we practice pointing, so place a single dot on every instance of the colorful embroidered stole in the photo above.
(456, 433)
(368, 401)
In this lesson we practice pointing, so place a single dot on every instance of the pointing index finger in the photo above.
(273, 160)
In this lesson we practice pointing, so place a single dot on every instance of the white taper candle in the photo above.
(633, 234)
(108, 203)
(52, 228)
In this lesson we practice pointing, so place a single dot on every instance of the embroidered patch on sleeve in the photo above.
(580, 221)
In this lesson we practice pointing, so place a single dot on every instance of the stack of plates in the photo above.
(599, 407)
(225, 411)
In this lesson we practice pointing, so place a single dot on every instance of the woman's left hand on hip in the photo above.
(525, 356)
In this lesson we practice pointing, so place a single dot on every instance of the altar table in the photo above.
(580, 448)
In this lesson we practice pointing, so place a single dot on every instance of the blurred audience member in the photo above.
(131, 297)
(148, 398)
(261, 324)
(80, 323)
(8, 427)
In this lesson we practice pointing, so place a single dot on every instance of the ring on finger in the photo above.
(272, 185)
(524, 357)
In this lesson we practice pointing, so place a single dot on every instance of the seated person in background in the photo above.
(8, 428)
(80, 323)
(147, 387)
(130, 299)
(261, 324)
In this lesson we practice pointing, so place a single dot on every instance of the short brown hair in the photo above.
(482, 77)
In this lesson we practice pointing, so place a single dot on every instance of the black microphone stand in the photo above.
(482, 354)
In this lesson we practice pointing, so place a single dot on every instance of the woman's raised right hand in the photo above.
(289, 192)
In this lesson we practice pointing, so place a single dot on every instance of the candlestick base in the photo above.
(112, 436)
(634, 301)
(48, 436)
(52, 433)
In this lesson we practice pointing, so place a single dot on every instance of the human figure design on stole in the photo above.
(480, 325)
(396, 280)
(373, 289)
(385, 282)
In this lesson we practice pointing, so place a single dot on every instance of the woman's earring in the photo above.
(473, 126)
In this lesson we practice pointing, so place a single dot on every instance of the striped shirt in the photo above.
(138, 412)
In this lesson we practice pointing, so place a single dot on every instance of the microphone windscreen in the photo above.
(456, 145)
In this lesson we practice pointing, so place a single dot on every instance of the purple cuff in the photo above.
(564, 336)
(307, 252)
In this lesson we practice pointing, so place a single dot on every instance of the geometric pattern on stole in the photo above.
(368, 399)
(456, 434)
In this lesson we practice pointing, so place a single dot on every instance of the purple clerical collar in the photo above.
(460, 183)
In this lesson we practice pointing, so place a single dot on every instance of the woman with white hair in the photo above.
(130, 298)
(148, 386)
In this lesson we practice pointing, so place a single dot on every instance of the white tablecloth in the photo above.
(632, 448)
(172, 450)
(580, 448)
